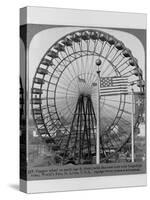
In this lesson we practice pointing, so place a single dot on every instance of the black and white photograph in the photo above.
(87, 97)
(82, 98)
(75, 100)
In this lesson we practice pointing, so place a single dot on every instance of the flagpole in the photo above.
(132, 125)
(98, 63)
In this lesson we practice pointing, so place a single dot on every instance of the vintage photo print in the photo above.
(83, 101)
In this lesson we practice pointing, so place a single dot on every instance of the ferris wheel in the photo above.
(63, 94)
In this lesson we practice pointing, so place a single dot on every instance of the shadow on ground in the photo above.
(14, 186)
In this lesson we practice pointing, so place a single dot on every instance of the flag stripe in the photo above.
(121, 83)
(116, 82)
(114, 94)
(117, 86)
(113, 91)
(118, 79)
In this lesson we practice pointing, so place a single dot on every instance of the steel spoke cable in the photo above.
(82, 62)
(118, 66)
(92, 61)
(106, 133)
(107, 105)
(107, 55)
(68, 69)
(76, 59)
(125, 111)
(130, 71)
(64, 88)
(63, 61)
(63, 102)
(65, 110)
(64, 107)
(73, 48)
(68, 116)
(113, 59)
(76, 74)
(68, 104)
(127, 102)
(74, 86)
(116, 109)
(98, 54)
(65, 68)
(66, 113)
(108, 109)
(55, 70)
(86, 43)
(77, 63)
(86, 59)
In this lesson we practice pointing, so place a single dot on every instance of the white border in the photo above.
(75, 17)
(85, 183)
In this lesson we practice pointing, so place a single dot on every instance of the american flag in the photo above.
(113, 85)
